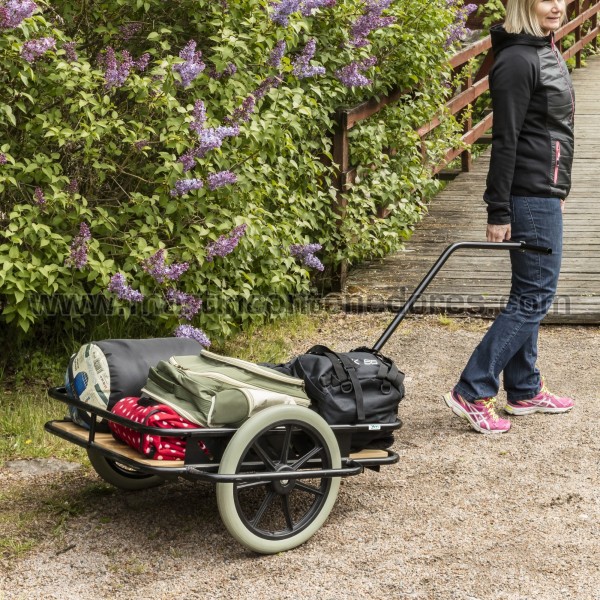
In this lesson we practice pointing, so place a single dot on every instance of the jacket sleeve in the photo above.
(512, 82)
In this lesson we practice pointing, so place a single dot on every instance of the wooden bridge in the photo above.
(476, 282)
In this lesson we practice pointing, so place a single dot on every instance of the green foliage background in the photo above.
(58, 122)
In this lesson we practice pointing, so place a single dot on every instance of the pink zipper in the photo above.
(557, 161)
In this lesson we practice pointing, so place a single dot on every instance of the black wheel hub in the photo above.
(284, 486)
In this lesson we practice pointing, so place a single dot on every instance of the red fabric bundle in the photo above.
(151, 414)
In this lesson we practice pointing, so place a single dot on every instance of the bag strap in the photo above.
(358, 392)
(344, 369)
(335, 358)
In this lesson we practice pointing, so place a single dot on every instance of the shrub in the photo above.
(162, 155)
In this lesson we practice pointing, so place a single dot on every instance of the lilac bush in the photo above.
(114, 118)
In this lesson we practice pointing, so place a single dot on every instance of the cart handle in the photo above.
(521, 246)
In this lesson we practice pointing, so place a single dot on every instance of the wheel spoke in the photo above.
(263, 508)
(315, 491)
(262, 454)
(304, 459)
(287, 440)
(285, 501)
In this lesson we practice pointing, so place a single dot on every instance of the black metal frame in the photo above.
(197, 465)
(439, 263)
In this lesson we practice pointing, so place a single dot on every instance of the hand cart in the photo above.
(277, 476)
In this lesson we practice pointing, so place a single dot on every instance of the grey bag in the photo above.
(218, 391)
(103, 372)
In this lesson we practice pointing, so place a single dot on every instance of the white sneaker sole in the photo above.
(459, 411)
(519, 412)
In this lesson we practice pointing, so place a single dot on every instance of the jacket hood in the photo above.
(501, 39)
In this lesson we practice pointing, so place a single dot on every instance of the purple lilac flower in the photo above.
(116, 72)
(370, 20)
(192, 65)
(458, 30)
(185, 186)
(301, 64)
(38, 196)
(129, 30)
(199, 117)
(282, 11)
(309, 6)
(72, 187)
(118, 286)
(3, 159)
(14, 11)
(142, 62)
(190, 305)
(187, 331)
(266, 85)
(188, 160)
(228, 71)
(226, 244)
(306, 253)
(155, 267)
(70, 53)
(351, 75)
(212, 138)
(33, 49)
(277, 54)
(217, 180)
(244, 112)
(78, 255)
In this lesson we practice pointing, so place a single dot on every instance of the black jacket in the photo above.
(534, 108)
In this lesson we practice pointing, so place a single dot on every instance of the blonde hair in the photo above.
(521, 17)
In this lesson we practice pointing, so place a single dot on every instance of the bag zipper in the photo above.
(557, 161)
(236, 362)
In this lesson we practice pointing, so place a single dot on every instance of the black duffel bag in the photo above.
(350, 388)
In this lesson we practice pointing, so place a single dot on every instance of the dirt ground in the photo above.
(462, 516)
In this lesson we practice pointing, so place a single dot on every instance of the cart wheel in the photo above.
(121, 475)
(274, 516)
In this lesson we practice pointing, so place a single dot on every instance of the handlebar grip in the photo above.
(534, 248)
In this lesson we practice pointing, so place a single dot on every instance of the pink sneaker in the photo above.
(481, 414)
(544, 402)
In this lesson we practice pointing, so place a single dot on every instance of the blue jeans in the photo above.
(510, 344)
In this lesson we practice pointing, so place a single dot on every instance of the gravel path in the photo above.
(462, 516)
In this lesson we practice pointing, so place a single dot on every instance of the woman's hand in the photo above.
(562, 206)
(498, 233)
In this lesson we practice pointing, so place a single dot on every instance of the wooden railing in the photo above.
(583, 15)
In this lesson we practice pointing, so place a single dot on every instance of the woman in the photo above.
(528, 181)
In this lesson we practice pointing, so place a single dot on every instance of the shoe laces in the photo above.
(490, 405)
